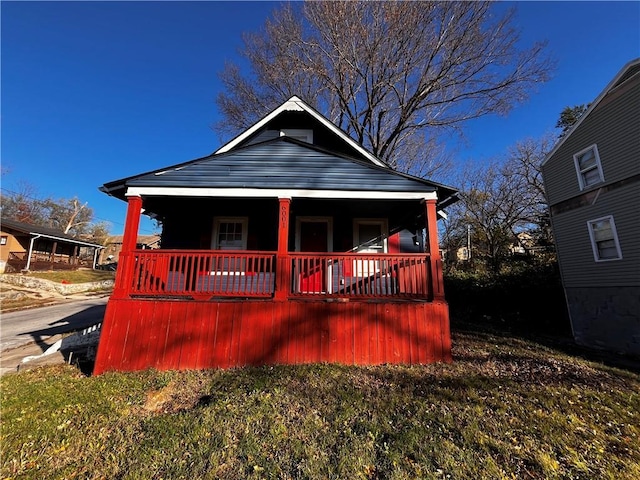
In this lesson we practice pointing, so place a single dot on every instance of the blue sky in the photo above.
(96, 91)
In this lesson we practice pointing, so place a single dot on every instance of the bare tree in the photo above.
(501, 202)
(69, 215)
(394, 75)
(525, 162)
(22, 204)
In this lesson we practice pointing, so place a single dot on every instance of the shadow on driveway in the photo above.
(73, 323)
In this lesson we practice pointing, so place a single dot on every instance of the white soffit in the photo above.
(276, 193)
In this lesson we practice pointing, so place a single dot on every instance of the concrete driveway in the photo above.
(32, 331)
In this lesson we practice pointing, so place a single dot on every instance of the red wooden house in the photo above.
(289, 244)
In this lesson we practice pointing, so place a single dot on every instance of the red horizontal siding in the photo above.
(167, 335)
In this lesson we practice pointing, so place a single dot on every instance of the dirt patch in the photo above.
(175, 397)
(13, 297)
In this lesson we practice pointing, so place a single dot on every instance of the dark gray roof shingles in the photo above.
(283, 163)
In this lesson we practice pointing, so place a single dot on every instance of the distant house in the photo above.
(30, 247)
(113, 246)
(592, 181)
(289, 244)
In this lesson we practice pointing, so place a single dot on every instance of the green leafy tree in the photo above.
(569, 116)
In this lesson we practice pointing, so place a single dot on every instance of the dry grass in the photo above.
(506, 408)
(74, 276)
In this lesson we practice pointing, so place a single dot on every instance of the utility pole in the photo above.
(469, 242)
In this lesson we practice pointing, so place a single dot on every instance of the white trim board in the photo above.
(276, 193)
(591, 107)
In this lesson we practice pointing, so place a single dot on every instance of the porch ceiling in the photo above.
(398, 211)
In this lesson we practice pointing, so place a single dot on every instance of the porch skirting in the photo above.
(179, 335)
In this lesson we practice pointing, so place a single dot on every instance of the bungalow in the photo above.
(31, 247)
(289, 244)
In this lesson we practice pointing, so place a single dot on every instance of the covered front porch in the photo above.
(372, 303)
(320, 249)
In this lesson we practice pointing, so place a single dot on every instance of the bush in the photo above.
(525, 297)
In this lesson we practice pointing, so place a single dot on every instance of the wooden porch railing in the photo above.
(358, 275)
(197, 273)
(45, 261)
(204, 274)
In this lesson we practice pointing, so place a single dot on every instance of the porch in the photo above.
(208, 274)
(213, 308)
(39, 261)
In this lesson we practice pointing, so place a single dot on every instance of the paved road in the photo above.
(38, 324)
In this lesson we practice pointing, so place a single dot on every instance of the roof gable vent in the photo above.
(304, 135)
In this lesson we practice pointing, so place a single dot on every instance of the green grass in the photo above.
(505, 408)
(75, 276)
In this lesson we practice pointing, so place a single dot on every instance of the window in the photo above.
(370, 235)
(604, 239)
(299, 134)
(230, 233)
(3, 240)
(588, 167)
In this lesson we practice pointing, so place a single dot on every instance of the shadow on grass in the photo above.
(526, 303)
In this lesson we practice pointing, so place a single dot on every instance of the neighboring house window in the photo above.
(299, 134)
(230, 233)
(604, 239)
(3, 240)
(588, 167)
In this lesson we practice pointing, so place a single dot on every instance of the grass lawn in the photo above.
(74, 276)
(506, 408)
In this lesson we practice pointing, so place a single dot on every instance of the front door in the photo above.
(313, 235)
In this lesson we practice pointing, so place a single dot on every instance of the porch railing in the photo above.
(360, 275)
(205, 274)
(45, 261)
(198, 273)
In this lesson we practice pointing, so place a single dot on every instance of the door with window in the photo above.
(229, 233)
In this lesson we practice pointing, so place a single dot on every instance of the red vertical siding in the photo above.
(163, 334)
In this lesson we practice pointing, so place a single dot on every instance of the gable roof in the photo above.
(630, 69)
(298, 105)
(281, 164)
(45, 232)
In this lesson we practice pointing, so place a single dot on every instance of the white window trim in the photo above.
(371, 221)
(579, 172)
(594, 245)
(216, 228)
(309, 219)
(298, 132)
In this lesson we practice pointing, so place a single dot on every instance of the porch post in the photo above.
(52, 257)
(33, 239)
(435, 262)
(283, 265)
(124, 274)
